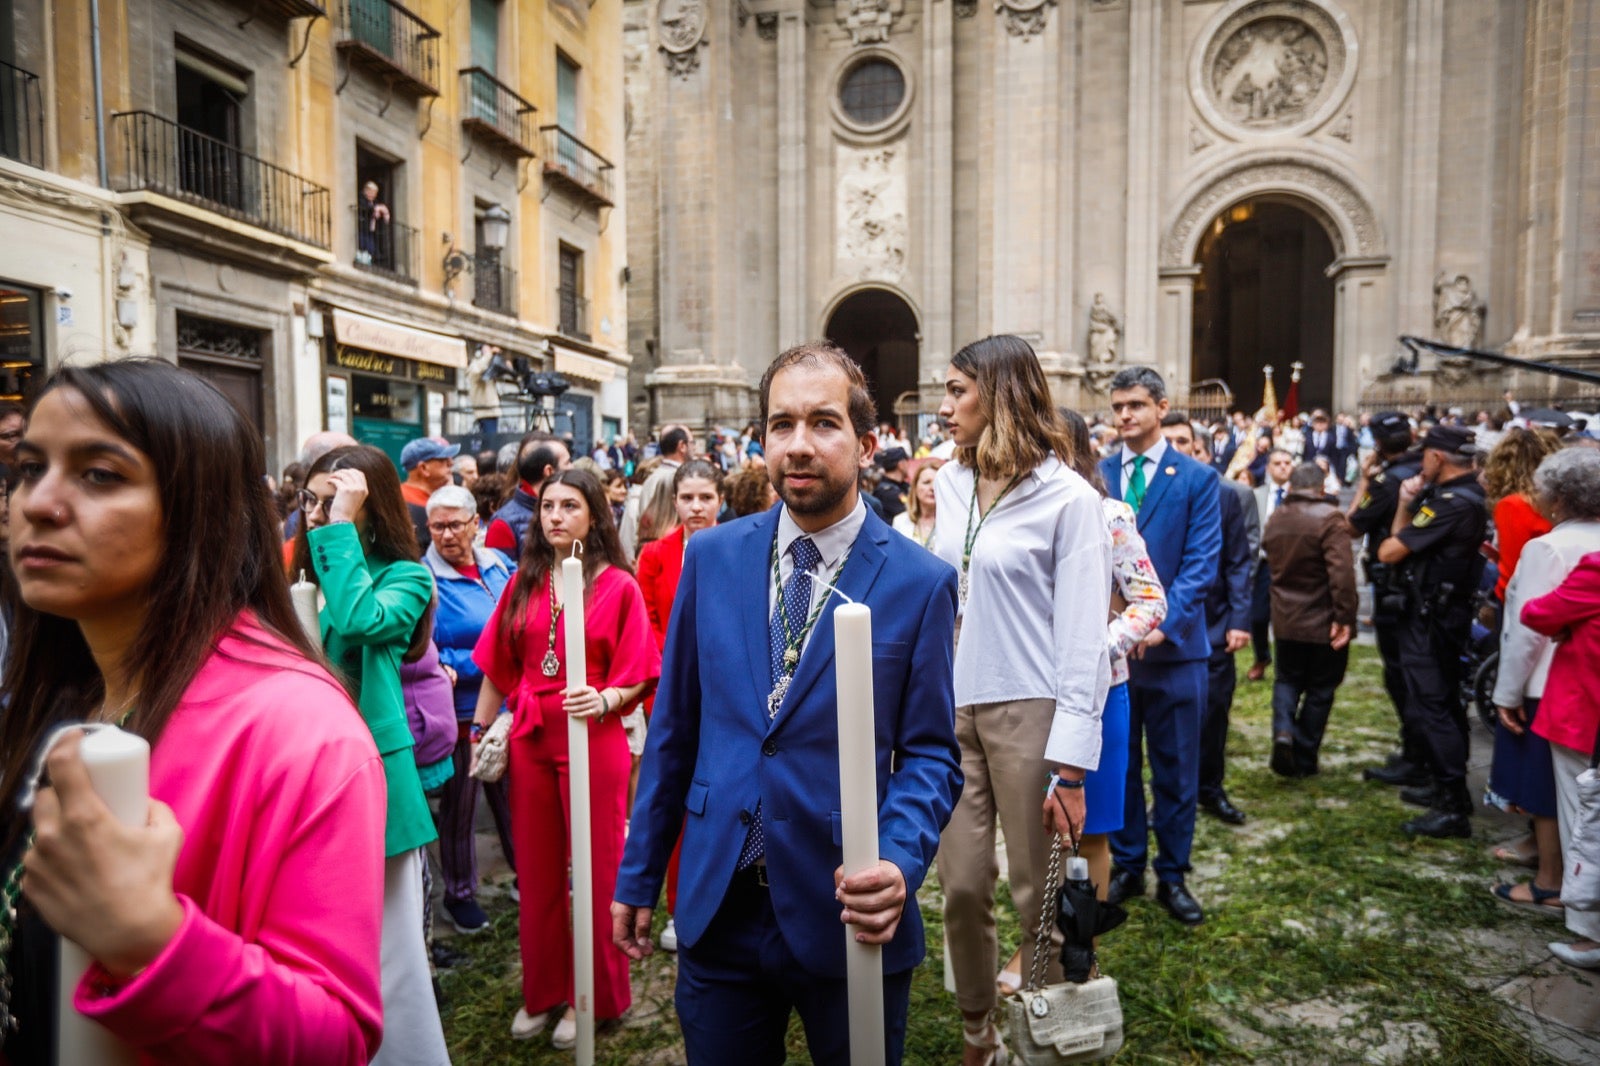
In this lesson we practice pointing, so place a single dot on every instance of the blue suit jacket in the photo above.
(712, 754)
(1182, 528)
(1228, 603)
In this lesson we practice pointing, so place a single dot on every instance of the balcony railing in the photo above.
(156, 154)
(573, 314)
(384, 36)
(492, 110)
(576, 165)
(494, 285)
(21, 116)
(386, 247)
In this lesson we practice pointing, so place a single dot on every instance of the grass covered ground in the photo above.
(1330, 936)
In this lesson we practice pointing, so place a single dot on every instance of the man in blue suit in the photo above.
(743, 748)
(1177, 502)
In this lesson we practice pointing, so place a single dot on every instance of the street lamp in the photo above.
(496, 227)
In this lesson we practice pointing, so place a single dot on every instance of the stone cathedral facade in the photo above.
(1208, 186)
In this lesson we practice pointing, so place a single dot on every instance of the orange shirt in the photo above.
(414, 493)
(1515, 523)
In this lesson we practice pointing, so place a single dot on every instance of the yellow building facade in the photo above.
(343, 212)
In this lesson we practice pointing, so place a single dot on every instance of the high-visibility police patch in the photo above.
(1366, 501)
(1424, 516)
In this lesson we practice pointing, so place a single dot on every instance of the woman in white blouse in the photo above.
(1027, 536)
(922, 509)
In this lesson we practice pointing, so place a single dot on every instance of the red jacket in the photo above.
(1568, 714)
(660, 567)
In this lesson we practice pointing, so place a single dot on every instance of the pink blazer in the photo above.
(1568, 714)
(280, 792)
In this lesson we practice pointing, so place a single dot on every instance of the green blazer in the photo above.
(369, 612)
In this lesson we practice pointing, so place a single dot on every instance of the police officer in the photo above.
(1437, 530)
(1371, 514)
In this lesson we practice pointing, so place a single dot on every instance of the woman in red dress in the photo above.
(522, 652)
(697, 497)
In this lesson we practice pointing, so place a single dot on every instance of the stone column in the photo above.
(1139, 338)
(1174, 333)
(1422, 82)
(793, 170)
(1361, 350)
(938, 156)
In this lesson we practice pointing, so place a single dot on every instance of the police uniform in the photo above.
(1439, 577)
(1372, 516)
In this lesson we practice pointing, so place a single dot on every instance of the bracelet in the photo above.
(605, 705)
(475, 733)
(1057, 781)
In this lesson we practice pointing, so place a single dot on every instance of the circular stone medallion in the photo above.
(1273, 66)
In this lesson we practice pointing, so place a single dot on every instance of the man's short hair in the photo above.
(534, 462)
(863, 408)
(1308, 476)
(1175, 418)
(1280, 451)
(1132, 377)
(674, 438)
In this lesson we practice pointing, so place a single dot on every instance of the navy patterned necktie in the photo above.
(794, 605)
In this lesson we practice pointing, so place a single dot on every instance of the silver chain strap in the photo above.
(1041, 943)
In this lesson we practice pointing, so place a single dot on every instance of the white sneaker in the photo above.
(669, 937)
(525, 1028)
(566, 1033)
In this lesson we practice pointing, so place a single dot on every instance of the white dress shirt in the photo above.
(1039, 595)
(1545, 562)
(833, 544)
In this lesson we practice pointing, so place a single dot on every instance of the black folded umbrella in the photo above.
(1081, 917)
(1547, 416)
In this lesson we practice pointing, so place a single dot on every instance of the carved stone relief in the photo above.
(965, 9)
(767, 26)
(867, 21)
(1024, 18)
(1345, 128)
(681, 29)
(1273, 66)
(870, 207)
(1198, 141)
(1104, 332)
(1458, 311)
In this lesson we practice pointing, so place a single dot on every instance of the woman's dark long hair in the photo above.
(222, 555)
(1014, 399)
(602, 546)
(390, 535)
(1082, 449)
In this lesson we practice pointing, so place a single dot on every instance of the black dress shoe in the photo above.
(1397, 773)
(1182, 906)
(1125, 884)
(1223, 809)
(1282, 761)
(1421, 795)
(1441, 824)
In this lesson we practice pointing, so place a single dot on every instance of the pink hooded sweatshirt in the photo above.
(280, 792)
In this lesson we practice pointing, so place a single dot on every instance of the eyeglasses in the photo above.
(311, 503)
(452, 529)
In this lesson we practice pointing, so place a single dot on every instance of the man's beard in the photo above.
(828, 495)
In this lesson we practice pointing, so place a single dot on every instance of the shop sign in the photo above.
(363, 361)
(391, 338)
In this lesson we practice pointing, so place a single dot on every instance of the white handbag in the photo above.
(1580, 884)
(489, 754)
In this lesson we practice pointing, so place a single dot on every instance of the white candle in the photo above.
(304, 594)
(582, 828)
(858, 810)
(119, 768)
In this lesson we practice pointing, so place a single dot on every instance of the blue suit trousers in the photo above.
(1166, 700)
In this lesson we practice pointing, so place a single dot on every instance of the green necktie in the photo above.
(1136, 485)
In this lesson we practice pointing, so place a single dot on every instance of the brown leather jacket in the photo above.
(1308, 546)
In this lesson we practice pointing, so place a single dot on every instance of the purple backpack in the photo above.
(430, 707)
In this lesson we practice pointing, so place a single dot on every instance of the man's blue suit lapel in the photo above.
(1161, 477)
(750, 590)
(855, 580)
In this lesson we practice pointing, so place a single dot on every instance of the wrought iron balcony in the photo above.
(21, 116)
(385, 37)
(157, 155)
(573, 317)
(576, 166)
(492, 110)
(494, 285)
(386, 247)
(292, 9)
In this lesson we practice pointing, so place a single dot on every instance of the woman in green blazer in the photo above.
(358, 544)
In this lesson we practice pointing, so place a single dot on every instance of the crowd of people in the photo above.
(1057, 606)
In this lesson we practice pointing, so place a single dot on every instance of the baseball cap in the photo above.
(1453, 440)
(424, 448)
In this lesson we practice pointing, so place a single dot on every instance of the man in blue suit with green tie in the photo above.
(743, 752)
(1176, 499)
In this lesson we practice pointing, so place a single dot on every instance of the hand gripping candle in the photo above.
(119, 768)
(582, 827)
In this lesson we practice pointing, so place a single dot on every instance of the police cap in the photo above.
(1456, 441)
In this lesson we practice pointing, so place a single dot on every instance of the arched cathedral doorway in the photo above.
(1263, 297)
(879, 330)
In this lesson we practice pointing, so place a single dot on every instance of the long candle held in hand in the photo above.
(858, 809)
(582, 828)
(119, 768)
(304, 594)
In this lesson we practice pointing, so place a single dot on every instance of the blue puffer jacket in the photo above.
(464, 609)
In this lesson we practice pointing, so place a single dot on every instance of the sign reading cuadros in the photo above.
(376, 335)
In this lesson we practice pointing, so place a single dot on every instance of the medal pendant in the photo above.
(550, 665)
(775, 698)
(962, 590)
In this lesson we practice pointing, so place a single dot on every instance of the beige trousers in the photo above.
(1002, 759)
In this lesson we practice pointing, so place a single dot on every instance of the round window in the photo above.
(872, 92)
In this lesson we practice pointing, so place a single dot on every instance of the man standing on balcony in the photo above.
(372, 227)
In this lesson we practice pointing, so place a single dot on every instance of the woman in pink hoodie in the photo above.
(241, 923)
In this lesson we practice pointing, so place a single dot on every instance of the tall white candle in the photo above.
(858, 810)
(119, 768)
(582, 828)
(304, 594)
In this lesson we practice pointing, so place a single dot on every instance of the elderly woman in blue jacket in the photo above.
(470, 580)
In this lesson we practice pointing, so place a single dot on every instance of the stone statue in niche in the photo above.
(871, 210)
(1270, 72)
(1458, 311)
(867, 21)
(1104, 332)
